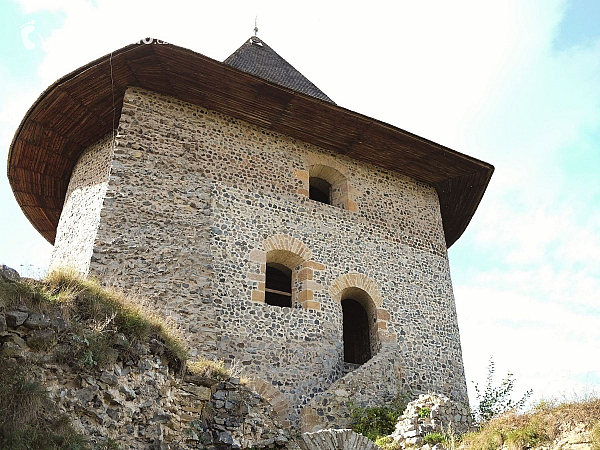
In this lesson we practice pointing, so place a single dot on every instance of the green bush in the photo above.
(434, 438)
(378, 421)
(424, 413)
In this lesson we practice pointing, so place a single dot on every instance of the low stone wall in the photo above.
(375, 383)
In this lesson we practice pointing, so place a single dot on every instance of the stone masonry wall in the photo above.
(80, 216)
(199, 202)
(375, 383)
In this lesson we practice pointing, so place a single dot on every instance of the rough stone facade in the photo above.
(80, 216)
(198, 203)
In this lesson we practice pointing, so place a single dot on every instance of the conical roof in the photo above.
(257, 58)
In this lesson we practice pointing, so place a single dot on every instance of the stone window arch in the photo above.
(326, 181)
(328, 185)
(285, 273)
(364, 320)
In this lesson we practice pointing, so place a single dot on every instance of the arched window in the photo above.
(327, 185)
(320, 190)
(278, 285)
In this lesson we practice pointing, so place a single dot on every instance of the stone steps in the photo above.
(349, 367)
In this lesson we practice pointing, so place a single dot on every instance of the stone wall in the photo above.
(80, 216)
(199, 202)
(430, 413)
(375, 383)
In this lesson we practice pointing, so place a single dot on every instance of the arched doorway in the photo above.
(356, 332)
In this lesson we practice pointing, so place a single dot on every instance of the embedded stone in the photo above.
(15, 318)
(202, 392)
(109, 378)
(37, 321)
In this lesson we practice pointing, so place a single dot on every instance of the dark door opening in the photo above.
(278, 285)
(357, 343)
(319, 190)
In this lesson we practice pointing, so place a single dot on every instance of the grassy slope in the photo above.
(102, 327)
(539, 427)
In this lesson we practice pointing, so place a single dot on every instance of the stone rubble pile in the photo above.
(430, 413)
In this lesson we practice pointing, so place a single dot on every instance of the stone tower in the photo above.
(296, 239)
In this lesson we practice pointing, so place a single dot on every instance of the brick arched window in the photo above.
(328, 185)
(278, 285)
(285, 273)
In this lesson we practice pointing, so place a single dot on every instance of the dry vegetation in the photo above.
(540, 426)
(101, 326)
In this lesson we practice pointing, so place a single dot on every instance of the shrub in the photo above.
(378, 421)
(495, 400)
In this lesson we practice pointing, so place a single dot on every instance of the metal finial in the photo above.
(255, 26)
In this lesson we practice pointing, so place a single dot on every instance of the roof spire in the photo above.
(255, 26)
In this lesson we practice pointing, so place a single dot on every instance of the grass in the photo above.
(99, 318)
(28, 418)
(102, 327)
(595, 436)
(434, 438)
(544, 423)
(207, 368)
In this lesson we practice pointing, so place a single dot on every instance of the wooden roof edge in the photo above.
(452, 235)
(474, 165)
(55, 85)
(335, 107)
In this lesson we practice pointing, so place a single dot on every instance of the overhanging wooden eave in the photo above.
(40, 168)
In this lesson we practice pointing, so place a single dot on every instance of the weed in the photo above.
(495, 400)
(434, 438)
(207, 368)
(386, 443)
(424, 413)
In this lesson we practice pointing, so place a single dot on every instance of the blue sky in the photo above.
(514, 83)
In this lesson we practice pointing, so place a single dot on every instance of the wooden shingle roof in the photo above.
(257, 58)
(78, 109)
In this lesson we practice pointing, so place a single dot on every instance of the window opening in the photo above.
(356, 333)
(278, 285)
(319, 190)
